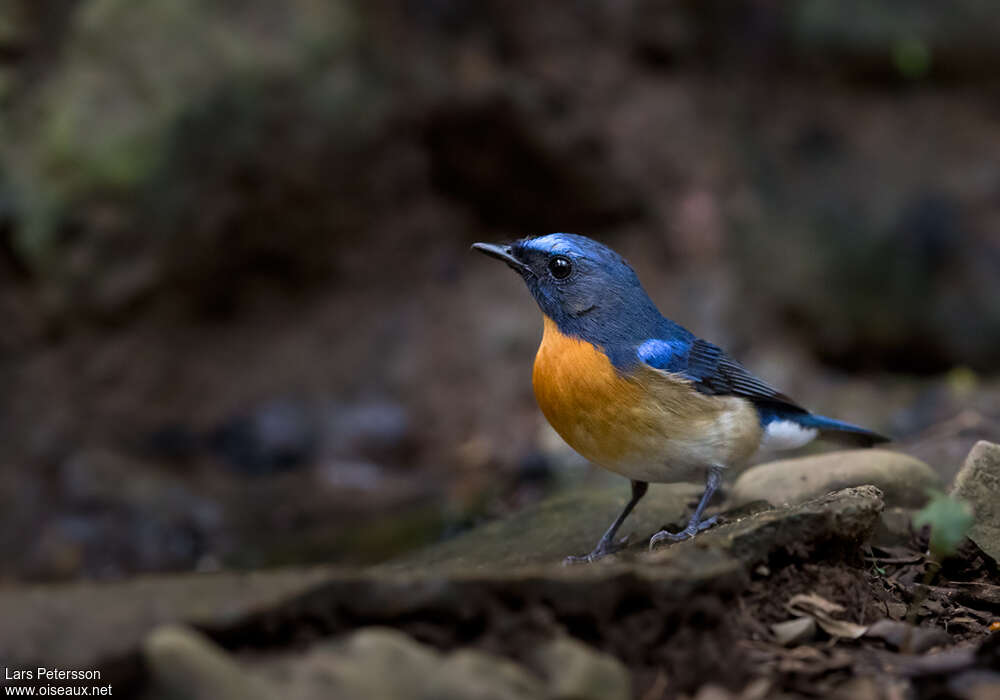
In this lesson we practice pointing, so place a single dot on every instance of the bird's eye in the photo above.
(560, 267)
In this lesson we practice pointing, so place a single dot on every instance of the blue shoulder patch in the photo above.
(668, 355)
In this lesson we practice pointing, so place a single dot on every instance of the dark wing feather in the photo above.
(716, 373)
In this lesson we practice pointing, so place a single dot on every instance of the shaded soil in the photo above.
(718, 633)
(888, 584)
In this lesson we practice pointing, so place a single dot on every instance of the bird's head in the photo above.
(577, 282)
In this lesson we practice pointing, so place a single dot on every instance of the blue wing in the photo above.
(712, 371)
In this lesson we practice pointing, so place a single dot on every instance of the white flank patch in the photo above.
(786, 435)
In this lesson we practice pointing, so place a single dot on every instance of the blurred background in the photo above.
(241, 325)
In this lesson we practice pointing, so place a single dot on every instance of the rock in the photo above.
(832, 525)
(894, 528)
(185, 664)
(978, 483)
(902, 479)
(552, 530)
(83, 625)
(477, 676)
(371, 663)
(378, 662)
(387, 664)
(575, 671)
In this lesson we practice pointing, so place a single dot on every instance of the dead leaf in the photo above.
(812, 601)
(821, 610)
(963, 621)
(982, 615)
(841, 628)
(800, 629)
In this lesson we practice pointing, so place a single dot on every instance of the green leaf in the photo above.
(950, 520)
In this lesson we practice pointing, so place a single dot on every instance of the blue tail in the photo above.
(839, 431)
(829, 429)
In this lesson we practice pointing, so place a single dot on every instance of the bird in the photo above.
(640, 395)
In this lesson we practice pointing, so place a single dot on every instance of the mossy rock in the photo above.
(546, 533)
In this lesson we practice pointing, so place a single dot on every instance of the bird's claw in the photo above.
(602, 550)
(687, 533)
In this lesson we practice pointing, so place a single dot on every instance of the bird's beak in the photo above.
(502, 252)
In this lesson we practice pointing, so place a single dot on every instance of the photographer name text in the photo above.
(42, 673)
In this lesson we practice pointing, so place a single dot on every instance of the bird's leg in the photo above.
(607, 545)
(695, 524)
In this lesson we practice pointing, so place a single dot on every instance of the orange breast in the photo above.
(584, 398)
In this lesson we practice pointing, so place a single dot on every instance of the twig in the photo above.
(897, 560)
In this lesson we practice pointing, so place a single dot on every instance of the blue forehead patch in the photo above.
(572, 244)
(554, 243)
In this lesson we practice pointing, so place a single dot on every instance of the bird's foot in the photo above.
(690, 531)
(603, 549)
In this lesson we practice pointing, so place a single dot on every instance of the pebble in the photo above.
(184, 663)
(902, 479)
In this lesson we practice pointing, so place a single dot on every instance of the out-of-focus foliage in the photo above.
(103, 125)
(128, 70)
(949, 519)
